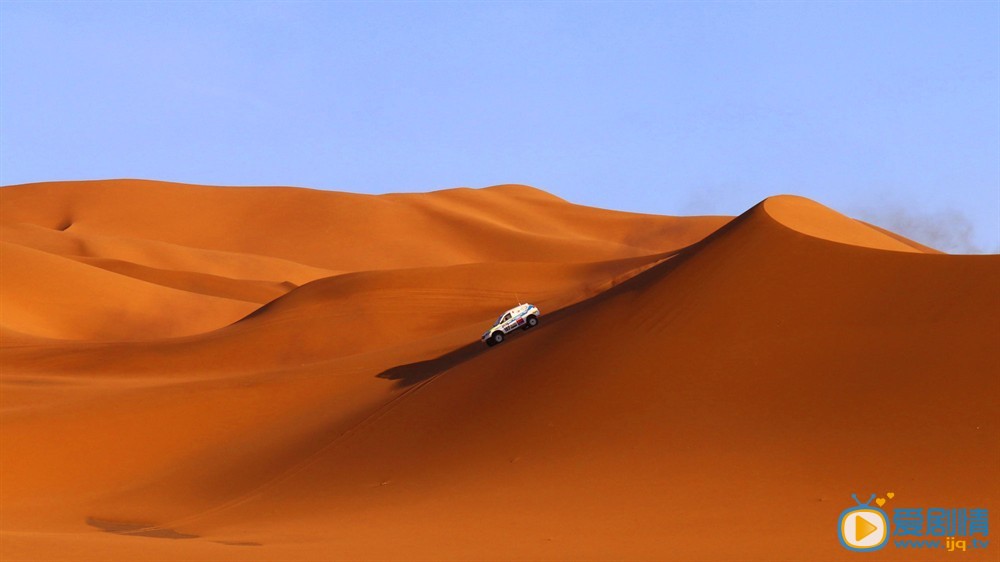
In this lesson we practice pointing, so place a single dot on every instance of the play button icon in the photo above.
(863, 528)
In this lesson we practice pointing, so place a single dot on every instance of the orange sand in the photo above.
(193, 372)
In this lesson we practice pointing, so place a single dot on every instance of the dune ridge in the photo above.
(265, 241)
(689, 376)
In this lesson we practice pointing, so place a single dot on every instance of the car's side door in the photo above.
(505, 323)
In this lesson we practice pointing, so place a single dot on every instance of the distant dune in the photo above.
(266, 373)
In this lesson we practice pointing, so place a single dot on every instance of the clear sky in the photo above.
(885, 111)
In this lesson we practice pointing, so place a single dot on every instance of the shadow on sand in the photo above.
(152, 531)
(137, 530)
(412, 373)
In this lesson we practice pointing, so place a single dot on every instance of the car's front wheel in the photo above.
(495, 338)
(530, 322)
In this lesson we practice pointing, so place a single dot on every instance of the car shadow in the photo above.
(419, 371)
(137, 530)
(413, 373)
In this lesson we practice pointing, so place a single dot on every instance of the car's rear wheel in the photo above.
(530, 322)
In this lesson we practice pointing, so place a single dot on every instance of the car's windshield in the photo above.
(499, 320)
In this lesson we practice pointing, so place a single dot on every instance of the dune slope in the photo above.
(255, 244)
(679, 401)
(765, 367)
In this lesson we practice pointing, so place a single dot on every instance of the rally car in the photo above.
(522, 316)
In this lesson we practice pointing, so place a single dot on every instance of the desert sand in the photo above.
(266, 373)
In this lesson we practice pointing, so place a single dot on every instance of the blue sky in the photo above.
(886, 111)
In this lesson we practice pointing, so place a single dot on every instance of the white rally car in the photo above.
(522, 316)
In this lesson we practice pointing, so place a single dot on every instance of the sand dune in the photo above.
(338, 231)
(698, 390)
(254, 244)
(811, 218)
(161, 255)
(49, 296)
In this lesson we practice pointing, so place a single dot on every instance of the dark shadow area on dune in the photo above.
(413, 373)
(152, 531)
(137, 530)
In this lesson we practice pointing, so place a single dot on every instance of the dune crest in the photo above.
(810, 218)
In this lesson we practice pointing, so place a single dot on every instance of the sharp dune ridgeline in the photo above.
(269, 373)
